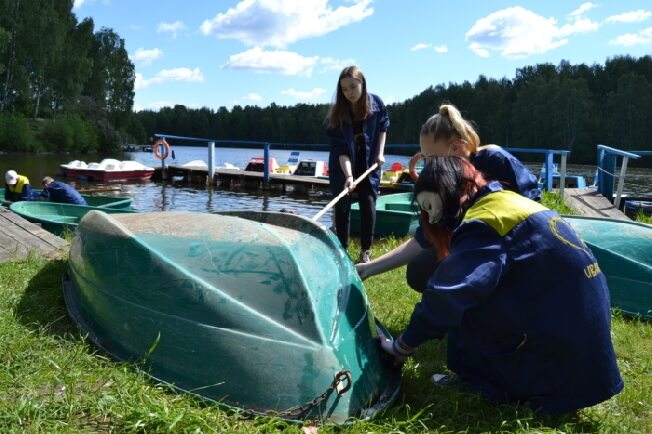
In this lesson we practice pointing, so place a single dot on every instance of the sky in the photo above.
(201, 53)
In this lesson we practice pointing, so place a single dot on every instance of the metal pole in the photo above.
(621, 182)
(266, 164)
(211, 163)
(562, 176)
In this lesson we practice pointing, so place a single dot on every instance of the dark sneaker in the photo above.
(444, 380)
(365, 256)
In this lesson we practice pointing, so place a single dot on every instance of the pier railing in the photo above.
(549, 165)
(606, 172)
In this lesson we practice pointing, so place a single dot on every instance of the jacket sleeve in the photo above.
(463, 280)
(27, 192)
(338, 143)
(383, 119)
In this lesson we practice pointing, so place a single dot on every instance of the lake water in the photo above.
(157, 196)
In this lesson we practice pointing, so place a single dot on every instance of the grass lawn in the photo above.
(53, 380)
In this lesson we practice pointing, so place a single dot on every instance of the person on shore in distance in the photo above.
(448, 133)
(17, 187)
(520, 296)
(357, 127)
(60, 192)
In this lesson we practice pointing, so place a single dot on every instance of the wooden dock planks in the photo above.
(18, 238)
(589, 203)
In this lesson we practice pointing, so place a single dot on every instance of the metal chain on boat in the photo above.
(336, 385)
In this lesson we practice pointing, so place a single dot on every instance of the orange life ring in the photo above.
(157, 149)
(412, 167)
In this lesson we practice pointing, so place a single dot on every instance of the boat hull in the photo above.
(396, 215)
(99, 175)
(624, 253)
(57, 218)
(115, 202)
(256, 311)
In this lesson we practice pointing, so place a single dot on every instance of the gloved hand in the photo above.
(396, 348)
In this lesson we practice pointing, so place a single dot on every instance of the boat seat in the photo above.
(401, 207)
(56, 218)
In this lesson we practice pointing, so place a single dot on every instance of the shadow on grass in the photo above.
(42, 307)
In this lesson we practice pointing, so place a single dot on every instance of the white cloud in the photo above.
(517, 32)
(78, 3)
(628, 39)
(146, 57)
(583, 8)
(304, 95)
(420, 46)
(278, 23)
(176, 74)
(283, 62)
(629, 17)
(252, 97)
(331, 64)
(173, 28)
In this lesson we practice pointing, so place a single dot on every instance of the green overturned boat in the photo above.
(624, 253)
(56, 218)
(258, 311)
(101, 201)
(396, 214)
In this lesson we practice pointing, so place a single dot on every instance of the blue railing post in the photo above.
(607, 177)
(549, 170)
(266, 163)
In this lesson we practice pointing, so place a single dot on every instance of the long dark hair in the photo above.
(452, 178)
(341, 111)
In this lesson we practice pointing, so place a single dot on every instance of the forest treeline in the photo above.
(65, 86)
(565, 106)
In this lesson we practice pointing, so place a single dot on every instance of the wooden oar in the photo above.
(343, 193)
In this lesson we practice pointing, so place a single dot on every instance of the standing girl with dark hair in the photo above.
(357, 126)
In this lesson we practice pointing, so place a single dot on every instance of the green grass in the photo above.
(53, 380)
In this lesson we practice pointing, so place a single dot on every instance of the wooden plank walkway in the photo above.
(589, 203)
(18, 238)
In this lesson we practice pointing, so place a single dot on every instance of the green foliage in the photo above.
(16, 134)
(45, 77)
(69, 133)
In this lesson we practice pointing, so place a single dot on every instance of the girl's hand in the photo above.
(348, 184)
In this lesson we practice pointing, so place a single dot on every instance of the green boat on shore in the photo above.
(396, 215)
(257, 311)
(115, 202)
(624, 253)
(56, 217)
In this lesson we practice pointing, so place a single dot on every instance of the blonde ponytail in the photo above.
(462, 126)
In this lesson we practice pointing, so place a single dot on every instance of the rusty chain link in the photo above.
(316, 401)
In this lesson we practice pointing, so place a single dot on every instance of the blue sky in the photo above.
(255, 52)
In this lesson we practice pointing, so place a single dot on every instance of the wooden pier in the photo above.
(19, 238)
(589, 203)
(199, 175)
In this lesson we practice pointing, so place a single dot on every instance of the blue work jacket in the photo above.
(525, 307)
(61, 192)
(342, 142)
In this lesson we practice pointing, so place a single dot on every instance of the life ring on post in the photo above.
(161, 144)
(413, 166)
